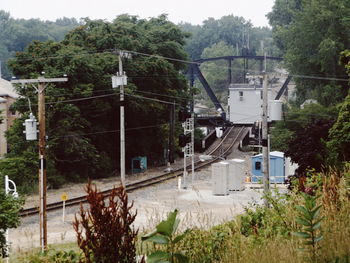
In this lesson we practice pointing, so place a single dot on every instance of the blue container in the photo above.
(139, 164)
(277, 174)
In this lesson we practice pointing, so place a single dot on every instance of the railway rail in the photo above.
(219, 150)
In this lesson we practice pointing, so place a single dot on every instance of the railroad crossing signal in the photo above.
(64, 198)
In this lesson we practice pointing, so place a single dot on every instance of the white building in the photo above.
(8, 96)
(245, 104)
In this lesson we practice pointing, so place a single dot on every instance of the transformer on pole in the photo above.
(31, 135)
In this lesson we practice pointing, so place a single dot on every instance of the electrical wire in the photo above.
(110, 131)
(163, 95)
(152, 99)
(81, 99)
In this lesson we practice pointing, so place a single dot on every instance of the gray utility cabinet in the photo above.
(236, 176)
(220, 173)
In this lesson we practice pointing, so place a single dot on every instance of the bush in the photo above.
(104, 231)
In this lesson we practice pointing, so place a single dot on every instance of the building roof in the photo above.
(6, 89)
(275, 154)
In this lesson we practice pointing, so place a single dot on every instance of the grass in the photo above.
(35, 255)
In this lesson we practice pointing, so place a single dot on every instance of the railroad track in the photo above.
(219, 151)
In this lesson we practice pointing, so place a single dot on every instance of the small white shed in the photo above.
(245, 104)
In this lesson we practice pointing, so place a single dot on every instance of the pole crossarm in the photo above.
(38, 80)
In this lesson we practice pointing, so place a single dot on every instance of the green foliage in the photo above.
(55, 253)
(339, 135)
(16, 34)
(312, 34)
(259, 222)
(66, 257)
(345, 59)
(232, 30)
(83, 135)
(164, 234)
(213, 70)
(310, 220)
(302, 135)
(206, 245)
(280, 136)
(252, 220)
(23, 170)
(9, 216)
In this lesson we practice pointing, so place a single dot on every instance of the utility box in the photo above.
(119, 80)
(139, 164)
(219, 172)
(236, 177)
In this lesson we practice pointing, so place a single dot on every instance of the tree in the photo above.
(232, 30)
(312, 34)
(214, 71)
(339, 134)
(303, 135)
(83, 113)
(307, 146)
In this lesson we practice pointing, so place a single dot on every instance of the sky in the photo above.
(192, 11)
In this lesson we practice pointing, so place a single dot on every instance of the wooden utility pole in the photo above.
(42, 82)
(42, 168)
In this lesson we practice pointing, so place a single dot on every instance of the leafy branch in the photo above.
(310, 220)
(164, 234)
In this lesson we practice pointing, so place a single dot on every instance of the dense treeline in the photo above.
(314, 36)
(83, 135)
(234, 31)
(16, 34)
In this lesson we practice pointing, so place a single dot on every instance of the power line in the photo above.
(152, 99)
(319, 78)
(163, 95)
(81, 99)
(73, 100)
(108, 131)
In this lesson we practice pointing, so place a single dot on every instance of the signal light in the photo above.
(184, 139)
(184, 114)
